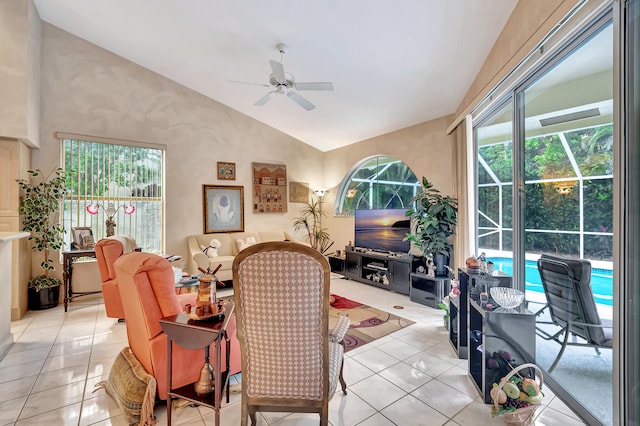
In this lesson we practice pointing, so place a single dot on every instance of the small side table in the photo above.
(68, 257)
(192, 334)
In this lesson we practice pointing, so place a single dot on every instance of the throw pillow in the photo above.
(133, 389)
(243, 243)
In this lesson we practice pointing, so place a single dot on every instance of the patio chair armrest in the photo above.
(539, 311)
(337, 333)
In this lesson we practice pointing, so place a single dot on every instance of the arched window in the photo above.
(377, 182)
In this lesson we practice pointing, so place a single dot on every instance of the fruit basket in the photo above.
(519, 401)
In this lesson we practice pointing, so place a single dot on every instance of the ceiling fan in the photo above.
(284, 83)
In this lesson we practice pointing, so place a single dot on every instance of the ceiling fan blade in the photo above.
(247, 82)
(263, 100)
(278, 71)
(314, 86)
(301, 101)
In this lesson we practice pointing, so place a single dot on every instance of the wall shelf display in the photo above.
(269, 188)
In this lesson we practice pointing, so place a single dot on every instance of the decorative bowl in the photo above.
(507, 297)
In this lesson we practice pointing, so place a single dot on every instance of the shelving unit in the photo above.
(493, 332)
(428, 290)
(384, 270)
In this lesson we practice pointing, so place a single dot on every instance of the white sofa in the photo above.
(229, 248)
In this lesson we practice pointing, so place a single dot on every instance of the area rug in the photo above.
(367, 323)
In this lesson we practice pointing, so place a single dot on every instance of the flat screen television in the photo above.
(382, 230)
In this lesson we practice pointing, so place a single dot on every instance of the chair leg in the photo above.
(243, 415)
(597, 350)
(564, 346)
(324, 414)
(252, 415)
(343, 384)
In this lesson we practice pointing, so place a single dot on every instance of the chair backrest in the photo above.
(108, 250)
(282, 308)
(147, 280)
(567, 287)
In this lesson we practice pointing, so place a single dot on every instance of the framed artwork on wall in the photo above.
(298, 192)
(226, 171)
(269, 188)
(223, 208)
(82, 237)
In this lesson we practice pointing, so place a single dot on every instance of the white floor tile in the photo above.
(50, 372)
(377, 391)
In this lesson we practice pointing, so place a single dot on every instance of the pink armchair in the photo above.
(148, 282)
(107, 251)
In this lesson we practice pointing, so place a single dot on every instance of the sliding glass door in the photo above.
(554, 135)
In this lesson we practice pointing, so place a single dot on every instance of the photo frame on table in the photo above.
(298, 192)
(82, 237)
(226, 171)
(223, 208)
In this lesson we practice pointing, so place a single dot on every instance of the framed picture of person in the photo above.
(82, 237)
(223, 208)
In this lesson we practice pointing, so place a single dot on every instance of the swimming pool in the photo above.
(601, 279)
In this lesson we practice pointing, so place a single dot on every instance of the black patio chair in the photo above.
(571, 306)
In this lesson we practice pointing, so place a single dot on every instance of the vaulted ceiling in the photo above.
(391, 64)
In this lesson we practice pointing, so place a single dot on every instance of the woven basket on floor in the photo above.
(521, 416)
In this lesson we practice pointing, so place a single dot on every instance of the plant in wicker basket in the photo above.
(517, 397)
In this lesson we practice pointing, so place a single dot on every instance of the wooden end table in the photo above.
(192, 334)
(68, 258)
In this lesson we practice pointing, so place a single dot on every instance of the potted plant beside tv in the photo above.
(39, 205)
(433, 221)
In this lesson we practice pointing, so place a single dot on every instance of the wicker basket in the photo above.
(521, 416)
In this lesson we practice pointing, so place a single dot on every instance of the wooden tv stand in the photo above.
(391, 271)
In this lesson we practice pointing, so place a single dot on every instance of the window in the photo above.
(376, 183)
(104, 172)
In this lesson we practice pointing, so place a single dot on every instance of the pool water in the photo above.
(601, 279)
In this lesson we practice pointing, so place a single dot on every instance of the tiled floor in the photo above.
(408, 378)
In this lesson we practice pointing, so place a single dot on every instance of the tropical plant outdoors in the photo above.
(434, 219)
(39, 204)
(310, 221)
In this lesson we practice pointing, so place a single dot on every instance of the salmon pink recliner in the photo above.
(147, 280)
(107, 251)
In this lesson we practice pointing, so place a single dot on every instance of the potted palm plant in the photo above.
(38, 206)
(310, 221)
(433, 221)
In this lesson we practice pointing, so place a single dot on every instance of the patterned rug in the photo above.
(367, 323)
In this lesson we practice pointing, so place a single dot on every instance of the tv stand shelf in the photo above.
(390, 271)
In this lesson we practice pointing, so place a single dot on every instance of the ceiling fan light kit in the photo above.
(284, 83)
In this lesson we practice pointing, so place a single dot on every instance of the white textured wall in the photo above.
(19, 68)
(426, 148)
(87, 90)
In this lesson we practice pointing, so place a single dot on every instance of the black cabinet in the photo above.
(388, 271)
(428, 290)
(499, 340)
(458, 316)
(337, 264)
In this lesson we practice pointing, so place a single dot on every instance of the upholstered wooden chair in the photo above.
(289, 362)
(108, 250)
